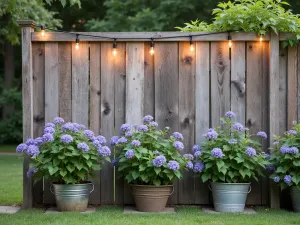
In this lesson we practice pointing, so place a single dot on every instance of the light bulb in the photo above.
(192, 48)
(114, 52)
(261, 38)
(230, 44)
(152, 51)
(115, 47)
(42, 30)
(77, 46)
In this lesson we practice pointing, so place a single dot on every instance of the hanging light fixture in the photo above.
(77, 42)
(192, 47)
(261, 38)
(42, 30)
(152, 47)
(114, 47)
(229, 40)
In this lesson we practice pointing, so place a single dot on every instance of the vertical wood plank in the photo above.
(166, 91)
(254, 111)
(298, 76)
(80, 83)
(27, 103)
(149, 82)
(95, 99)
(186, 116)
(202, 102)
(292, 86)
(120, 98)
(220, 81)
(38, 68)
(51, 98)
(238, 85)
(65, 80)
(107, 118)
(275, 106)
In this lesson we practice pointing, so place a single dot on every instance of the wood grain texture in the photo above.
(186, 116)
(166, 91)
(149, 82)
(107, 119)
(94, 104)
(238, 86)
(274, 108)
(220, 81)
(298, 76)
(27, 104)
(38, 69)
(202, 106)
(119, 63)
(80, 83)
(51, 99)
(292, 86)
(65, 80)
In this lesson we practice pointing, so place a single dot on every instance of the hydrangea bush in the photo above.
(146, 155)
(285, 158)
(230, 153)
(67, 153)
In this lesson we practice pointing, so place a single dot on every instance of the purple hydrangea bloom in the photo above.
(58, 120)
(188, 156)
(197, 154)
(125, 127)
(33, 151)
(49, 130)
(266, 155)
(30, 141)
(50, 125)
(276, 179)
(196, 148)
(101, 139)
(198, 167)
(66, 138)
(128, 134)
(69, 127)
(189, 165)
(48, 138)
(217, 153)
(289, 150)
(173, 165)
(115, 162)
(122, 140)
(78, 126)
(97, 144)
(159, 161)
(39, 141)
(156, 152)
(292, 132)
(21, 148)
(114, 140)
(232, 141)
(211, 134)
(153, 124)
(89, 134)
(142, 128)
(230, 115)
(136, 143)
(83, 146)
(178, 136)
(287, 179)
(104, 151)
(178, 145)
(250, 152)
(262, 134)
(270, 168)
(129, 154)
(238, 127)
(147, 119)
(31, 171)
(294, 150)
(276, 143)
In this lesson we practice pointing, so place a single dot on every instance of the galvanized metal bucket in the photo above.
(230, 197)
(295, 193)
(72, 197)
(150, 198)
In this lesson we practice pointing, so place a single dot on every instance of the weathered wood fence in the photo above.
(187, 91)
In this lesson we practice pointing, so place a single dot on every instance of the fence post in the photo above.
(27, 102)
(274, 107)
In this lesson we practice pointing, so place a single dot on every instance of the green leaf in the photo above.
(86, 156)
(157, 170)
(63, 173)
(89, 163)
(135, 174)
(220, 164)
(205, 177)
(296, 163)
(71, 168)
(142, 167)
(156, 182)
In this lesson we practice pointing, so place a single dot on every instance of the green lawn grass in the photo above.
(8, 148)
(186, 215)
(11, 175)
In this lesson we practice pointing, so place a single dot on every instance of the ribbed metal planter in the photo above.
(150, 198)
(295, 193)
(72, 197)
(230, 197)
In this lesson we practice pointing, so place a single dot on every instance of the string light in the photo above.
(192, 47)
(115, 47)
(229, 40)
(77, 42)
(42, 30)
(261, 38)
(152, 47)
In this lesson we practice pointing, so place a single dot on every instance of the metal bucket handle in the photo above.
(89, 193)
(209, 186)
